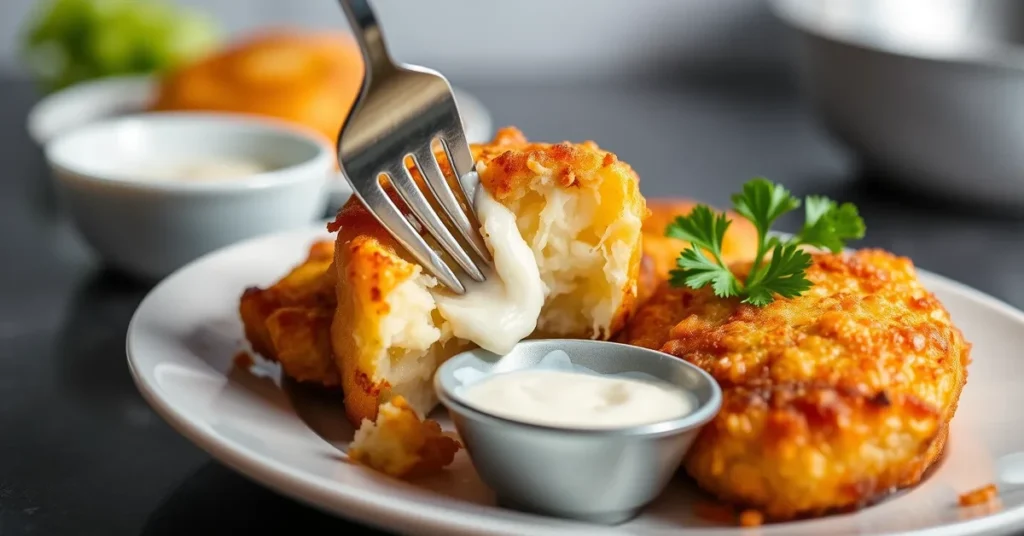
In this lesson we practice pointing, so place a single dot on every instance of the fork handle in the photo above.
(368, 34)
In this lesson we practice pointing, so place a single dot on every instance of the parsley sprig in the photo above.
(780, 265)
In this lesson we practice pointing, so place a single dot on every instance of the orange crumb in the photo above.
(243, 359)
(981, 495)
(751, 518)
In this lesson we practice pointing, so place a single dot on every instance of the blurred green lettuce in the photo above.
(70, 41)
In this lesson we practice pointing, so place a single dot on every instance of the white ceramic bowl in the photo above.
(149, 227)
(99, 99)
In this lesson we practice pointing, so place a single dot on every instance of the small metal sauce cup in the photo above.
(598, 475)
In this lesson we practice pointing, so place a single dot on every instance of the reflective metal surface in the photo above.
(602, 476)
(927, 90)
(401, 112)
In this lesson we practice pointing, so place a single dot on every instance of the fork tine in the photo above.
(406, 187)
(435, 179)
(461, 159)
(374, 198)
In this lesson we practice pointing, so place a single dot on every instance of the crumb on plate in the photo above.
(401, 444)
(978, 496)
(243, 360)
(725, 514)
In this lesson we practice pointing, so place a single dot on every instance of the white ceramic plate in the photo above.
(293, 439)
(97, 99)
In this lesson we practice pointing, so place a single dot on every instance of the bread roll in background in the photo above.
(307, 78)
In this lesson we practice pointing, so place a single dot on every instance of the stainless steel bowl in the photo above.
(601, 476)
(930, 91)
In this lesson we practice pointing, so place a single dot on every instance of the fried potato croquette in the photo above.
(295, 346)
(400, 444)
(307, 78)
(831, 399)
(579, 209)
(299, 332)
(290, 321)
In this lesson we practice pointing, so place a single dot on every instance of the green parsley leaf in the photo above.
(827, 225)
(784, 275)
(696, 270)
(701, 227)
(762, 202)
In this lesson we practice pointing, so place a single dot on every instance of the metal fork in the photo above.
(400, 111)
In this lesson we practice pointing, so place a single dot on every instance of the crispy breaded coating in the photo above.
(298, 337)
(831, 399)
(402, 445)
(289, 321)
(385, 336)
(300, 333)
(579, 209)
(651, 325)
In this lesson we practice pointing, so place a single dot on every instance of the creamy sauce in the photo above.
(503, 310)
(214, 169)
(575, 400)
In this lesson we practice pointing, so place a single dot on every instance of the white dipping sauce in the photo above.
(212, 169)
(503, 310)
(574, 400)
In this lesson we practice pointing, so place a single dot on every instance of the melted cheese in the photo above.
(503, 310)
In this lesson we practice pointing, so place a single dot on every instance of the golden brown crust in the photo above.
(301, 339)
(369, 265)
(831, 399)
(308, 78)
(513, 165)
(287, 321)
(255, 307)
(651, 324)
(368, 270)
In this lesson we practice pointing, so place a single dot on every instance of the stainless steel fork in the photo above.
(400, 112)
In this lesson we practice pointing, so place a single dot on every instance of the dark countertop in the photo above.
(81, 452)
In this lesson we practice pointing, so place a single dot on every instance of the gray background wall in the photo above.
(530, 41)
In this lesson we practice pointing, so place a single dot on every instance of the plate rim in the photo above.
(279, 477)
(360, 508)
